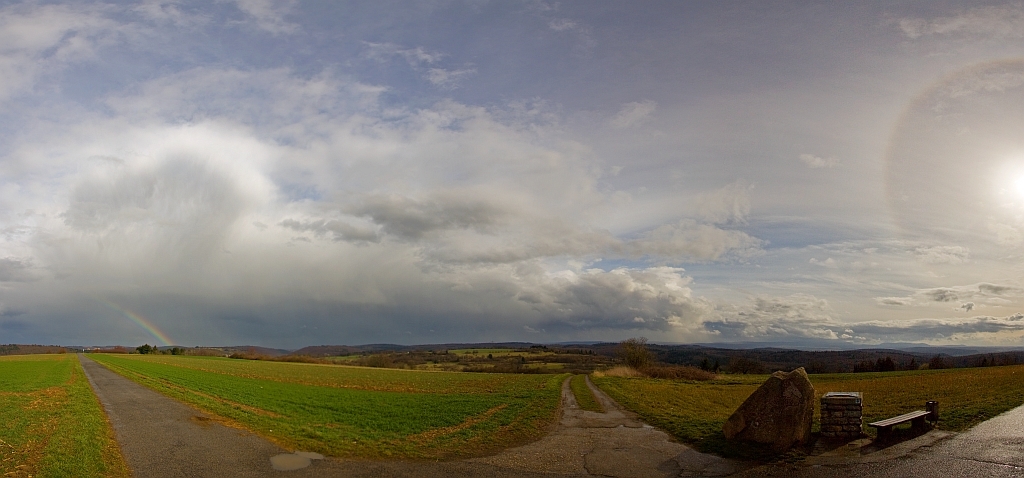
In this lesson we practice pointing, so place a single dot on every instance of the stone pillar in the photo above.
(841, 415)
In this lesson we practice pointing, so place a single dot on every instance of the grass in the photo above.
(356, 412)
(584, 397)
(51, 424)
(695, 411)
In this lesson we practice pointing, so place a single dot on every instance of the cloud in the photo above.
(817, 162)
(728, 205)
(633, 114)
(416, 57)
(982, 292)
(937, 329)
(410, 219)
(690, 240)
(15, 270)
(894, 301)
(657, 298)
(563, 24)
(48, 39)
(161, 11)
(269, 15)
(999, 21)
(1006, 234)
(448, 78)
(798, 316)
(335, 229)
(423, 61)
(274, 101)
(801, 317)
(943, 254)
(829, 263)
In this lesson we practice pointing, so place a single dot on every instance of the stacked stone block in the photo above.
(841, 415)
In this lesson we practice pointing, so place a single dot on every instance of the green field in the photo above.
(695, 411)
(584, 397)
(51, 424)
(356, 412)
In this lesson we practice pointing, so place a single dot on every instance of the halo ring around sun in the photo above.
(955, 158)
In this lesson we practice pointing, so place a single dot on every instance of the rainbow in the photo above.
(140, 320)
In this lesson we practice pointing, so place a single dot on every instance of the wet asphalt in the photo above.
(994, 448)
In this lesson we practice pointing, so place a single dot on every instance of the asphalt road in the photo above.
(166, 438)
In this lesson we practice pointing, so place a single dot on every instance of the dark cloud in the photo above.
(626, 299)
(896, 301)
(411, 219)
(993, 289)
(15, 270)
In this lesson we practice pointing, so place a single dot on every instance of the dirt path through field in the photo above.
(163, 437)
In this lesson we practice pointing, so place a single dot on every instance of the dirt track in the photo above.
(163, 437)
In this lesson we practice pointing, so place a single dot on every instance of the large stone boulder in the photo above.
(779, 413)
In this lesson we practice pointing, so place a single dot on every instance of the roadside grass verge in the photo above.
(584, 397)
(51, 424)
(694, 412)
(356, 412)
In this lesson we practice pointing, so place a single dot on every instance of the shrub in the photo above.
(619, 372)
(634, 352)
(677, 372)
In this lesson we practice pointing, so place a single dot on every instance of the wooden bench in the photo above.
(916, 419)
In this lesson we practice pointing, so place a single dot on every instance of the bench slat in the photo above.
(906, 417)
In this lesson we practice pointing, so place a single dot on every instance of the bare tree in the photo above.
(634, 352)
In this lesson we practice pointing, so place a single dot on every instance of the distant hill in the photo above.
(21, 349)
(250, 349)
(736, 358)
(338, 350)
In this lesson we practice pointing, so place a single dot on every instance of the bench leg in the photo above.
(918, 423)
(884, 433)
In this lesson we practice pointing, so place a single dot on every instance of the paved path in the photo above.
(994, 448)
(163, 437)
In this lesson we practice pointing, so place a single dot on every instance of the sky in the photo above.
(290, 173)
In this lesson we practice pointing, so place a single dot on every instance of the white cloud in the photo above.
(1001, 21)
(633, 114)
(728, 205)
(689, 240)
(828, 262)
(943, 254)
(562, 24)
(48, 39)
(798, 316)
(423, 61)
(269, 15)
(416, 57)
(818, 162)
(448, 78)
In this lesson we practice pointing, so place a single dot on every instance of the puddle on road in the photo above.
(294, 461)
